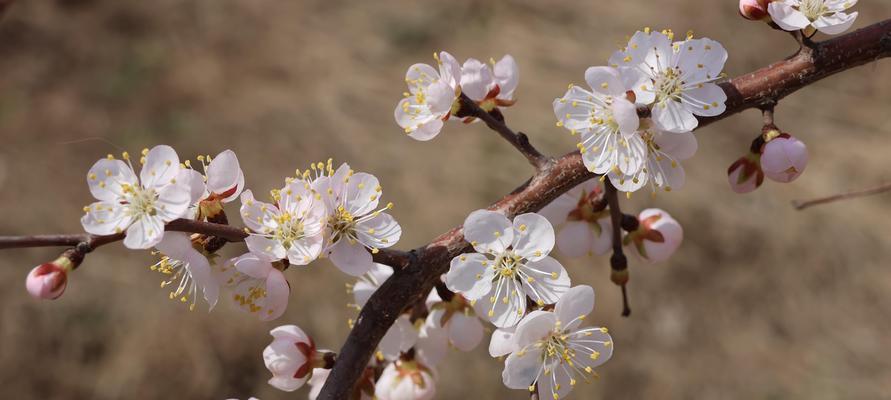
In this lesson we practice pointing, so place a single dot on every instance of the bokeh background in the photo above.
(761, 301)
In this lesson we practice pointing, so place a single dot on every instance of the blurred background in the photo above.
(761, 301)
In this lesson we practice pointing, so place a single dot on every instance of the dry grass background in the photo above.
(760, 302)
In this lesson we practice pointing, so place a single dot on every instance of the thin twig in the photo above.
(801, 205)
(618, 262)
(519, 140)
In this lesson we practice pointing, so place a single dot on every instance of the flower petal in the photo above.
(223, 173)
(836, 23)
(502, 342)
(351, 258)
(144, 233)
(507, 76)
(106, 177)
(269, 249)
(399, 338)
(104, 218)
(465, 332)
(476, 79)
(306, 250)
(252, 265)
(672, 116)
(488, 231)
(380, 231)
(533, 236)
(534, 327)
(521, 369)
(277, 293)
(161, 166)
(470, 275)
(707, 100)
(551, 280)
(257, 215)
(575, 239)
(361, 194)
(577, 303)
(787, 17)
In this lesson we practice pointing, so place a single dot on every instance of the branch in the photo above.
(552, 179)
(618, 262)
(86, 243)
(801, 205)
(520, 141)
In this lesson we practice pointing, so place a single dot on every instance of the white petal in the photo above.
(550, 283)
(701, 59)
(634, 79)
(427, 130)
(277, 292)
(440, 97)
(420, 76)
(533, 236)
(194, 181)
(256, 214)
(507, 75)
(144, 233)
(381, 231)
(223, 173)
(836, 23)
(199, 268)
(520, 371)
(605, 80)
(465, 332)
(306, 250)
(106, 177)
(502, 342)
(476, 79)
(535, 326)
(488, 231)
(574, 239)
(351, 258)
(470, 276)
(679, 145)
(787, 17)
(105, 218)
(625, 114)
(708, 100)
(173, 202)
(253, 266)
(449, 69)
(603, 242)
(577, 303)
(176, 245)
(504, 314)
(557, 211)
(672, 116)
(361, 194)
(432, 345)
(269, 249)
(573, 110)
(399, 338)
(161, 166)
(562, 388)
(290, 332)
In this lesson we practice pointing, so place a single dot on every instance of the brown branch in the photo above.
(801, 205)
(86, 242)
(618, 262)
(552, 179)
(520, 141)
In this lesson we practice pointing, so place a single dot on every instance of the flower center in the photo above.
(289, 229)
(507, 264)
(669, 85)
(812, 9)
(342, 223)
(140, 201)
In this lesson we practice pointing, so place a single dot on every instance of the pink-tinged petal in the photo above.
(598, 340)
(701, 59)
(551, 280)
(558, 210)
(470, 275)
(672, 116)
(105, 218)
(277, 292)
(399, 338)
(290, 332)
(176, 245)
(573, 110)
(144, 233)
(707, 101)
(836, 23)
(507, 75)
(106, 177)
(419, 76)
(194, 181)
(521, 368)
(269, 249)
(380, 231)
(605, 80)
(366, 286)
(449, 70)
(199, 268)
(574, 239)
(604, 241)
(784, 159)
(465, 332)
(317, 380)
(535, 326)
(671, 232)
(306, 250)
(432, 345)
(427, 131)
(787, 17)
(557, 386)
(161, 166)
(283, 360)
(502, 342)
(46, 281)
(257, 215)
(488, 231)
(440, 97)
(351, 258)
(223, 173)
(640, 83)
(577, 303)
(476, 79)
(533, 236)
(625, 114)
(361, 195)
(679, 145)
(252, 265)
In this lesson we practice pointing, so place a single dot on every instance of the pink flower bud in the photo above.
(784, 158)
(406, 380)
(754, 10)
(290, 357)
(46, 281)
(745, 174)
(657, 237)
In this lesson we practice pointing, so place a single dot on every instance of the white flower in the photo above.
(140, 206)
(405, 380)
(430, 343)
(681, 77)
(658, 236)
(662, 169)
(221, 182)
(260, 288)
(292, 228)
(457, 320)
(827, 16)
(581, 230)
(401, 337)
(354, 226)
(552, 352)
(430, 97)
(491, 86)
(187, 269)
(289, 357)
(606, 119)
(511, 263)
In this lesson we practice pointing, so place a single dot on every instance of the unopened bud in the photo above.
(745, 174)
(47, 281)
(784, 158)
(754, 10)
